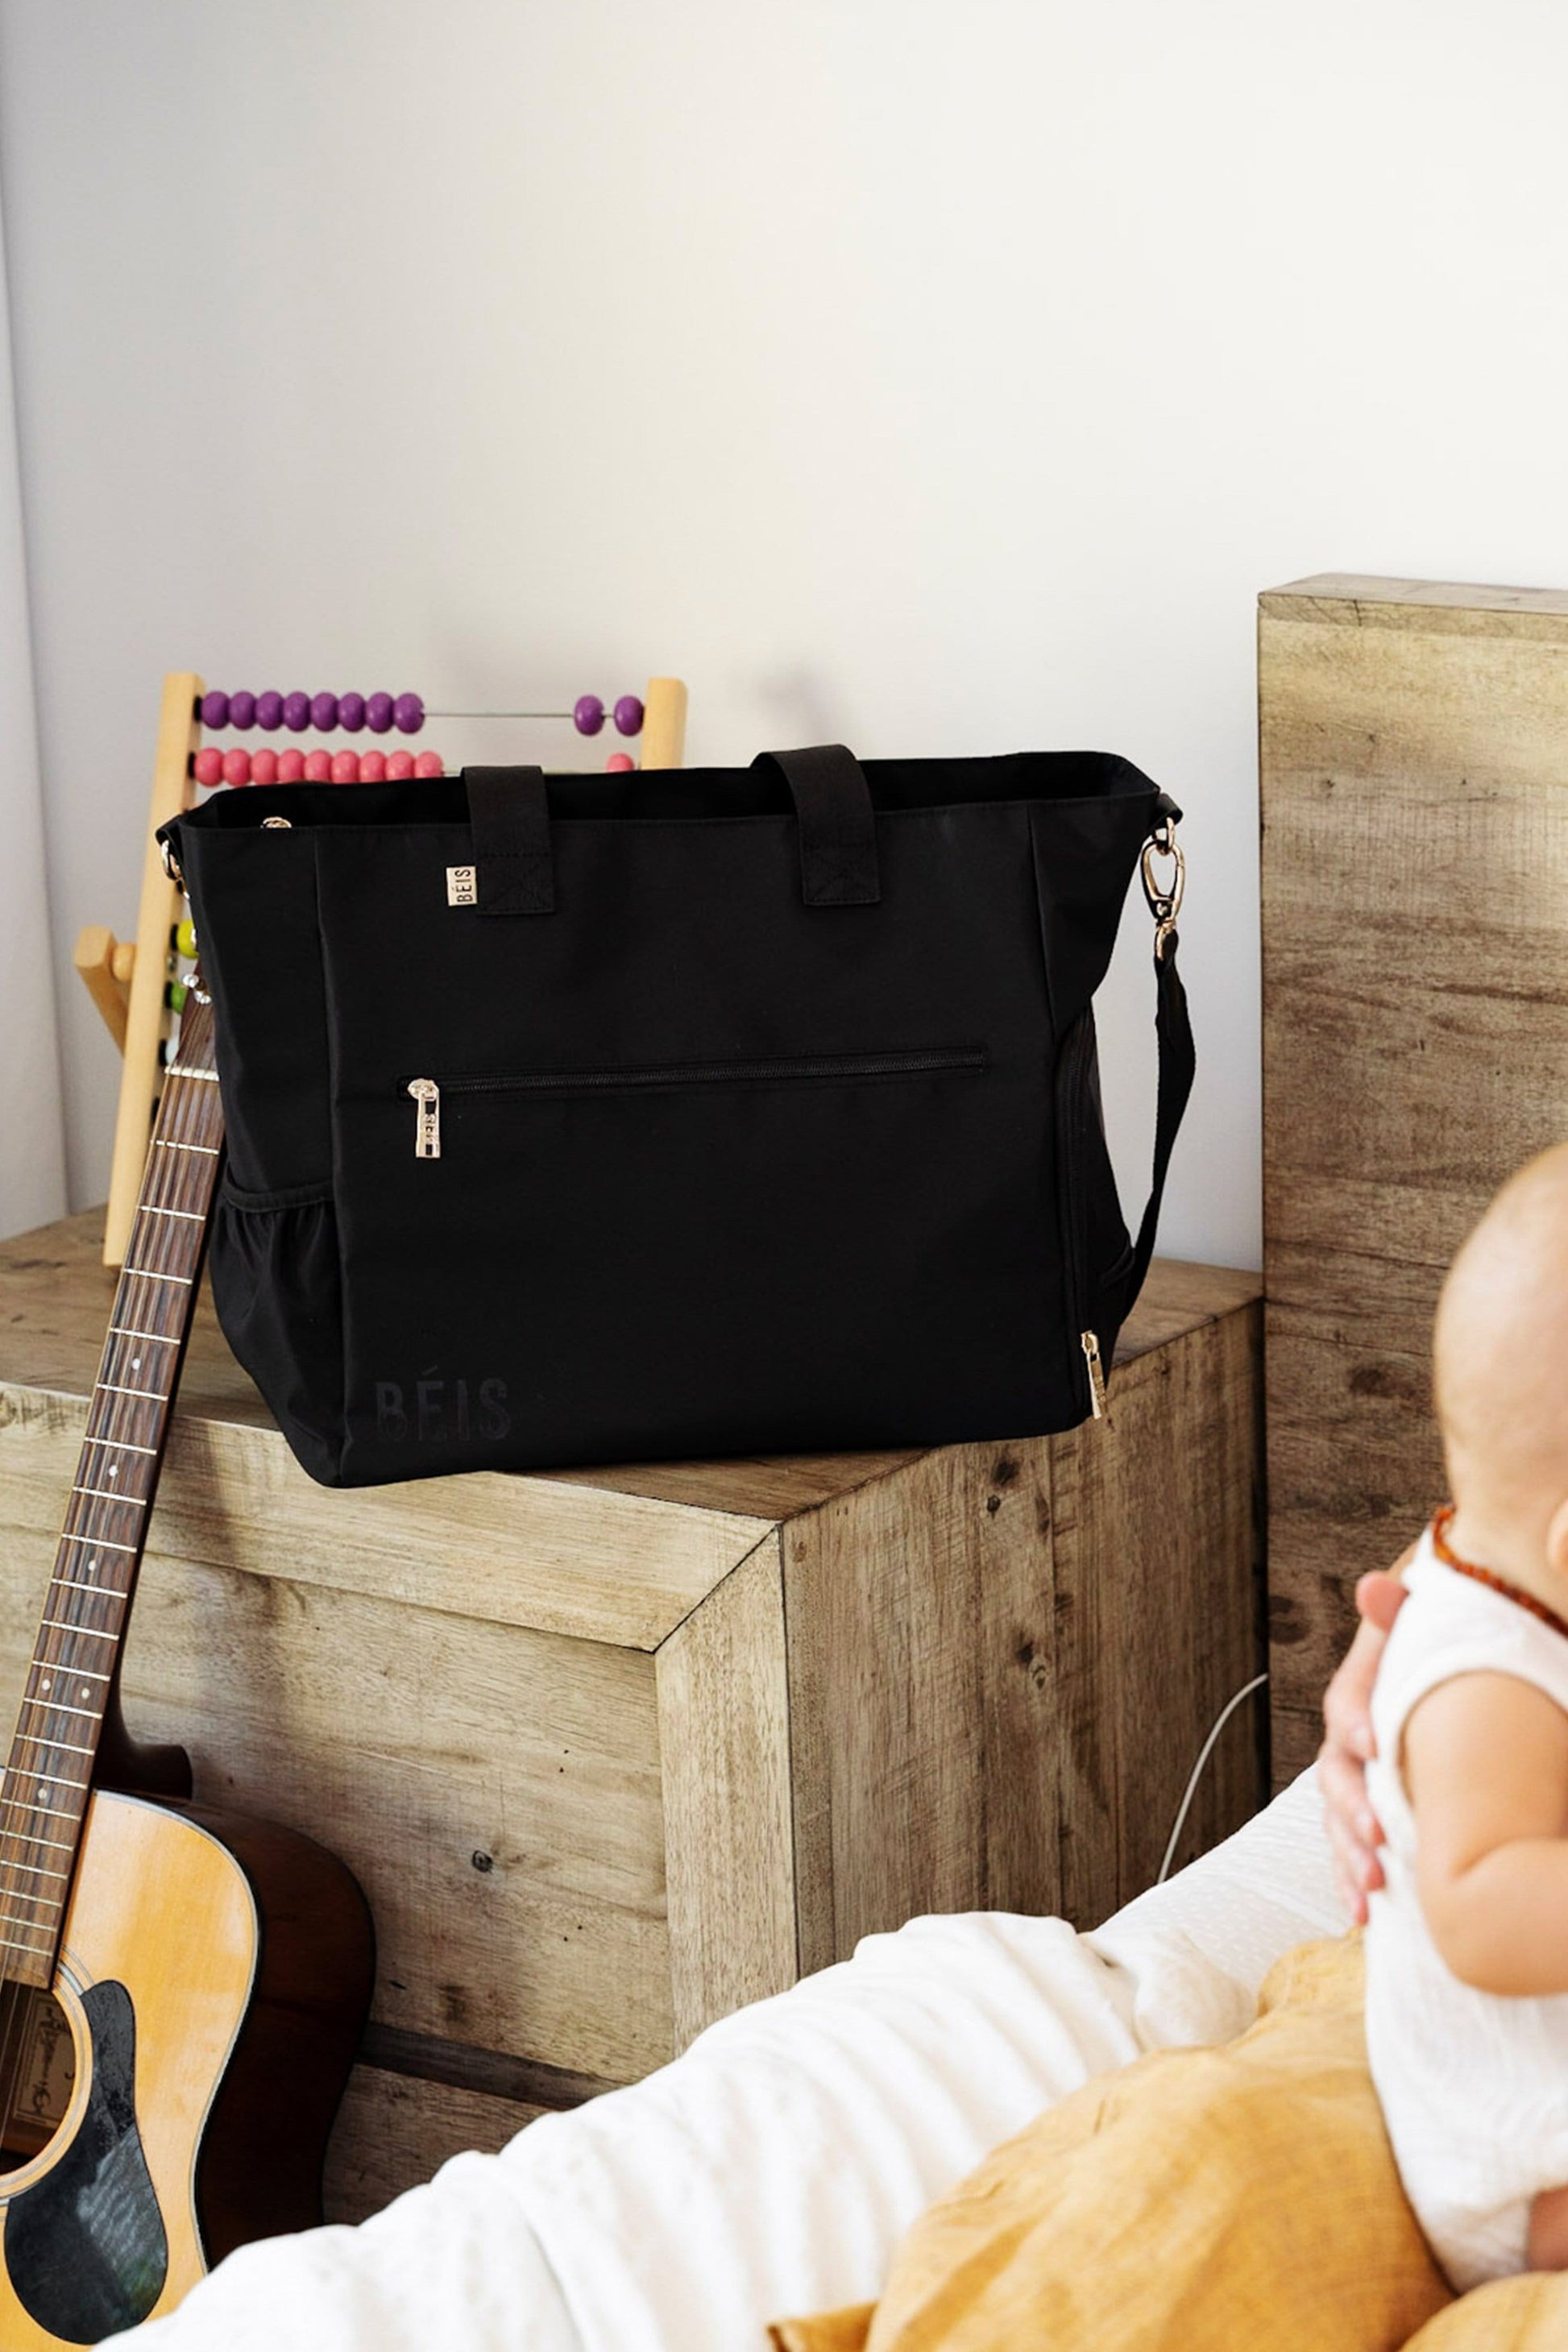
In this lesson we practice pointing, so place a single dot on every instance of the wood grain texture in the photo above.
(1416, 1039)
(412, 1741)
(724, 1727)
(393, 2130)
(1159, 1612)
(1003, 1662)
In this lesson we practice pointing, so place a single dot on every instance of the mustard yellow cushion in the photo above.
(1511, 2315)
(1202, 2200)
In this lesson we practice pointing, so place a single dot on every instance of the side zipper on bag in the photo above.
(1073, 1053)
(779, 1070)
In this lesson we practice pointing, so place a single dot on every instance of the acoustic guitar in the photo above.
(182, 1991)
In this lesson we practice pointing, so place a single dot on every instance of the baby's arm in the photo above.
(1485, 1764)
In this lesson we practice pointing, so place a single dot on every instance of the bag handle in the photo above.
(509, 810)
(837, 824)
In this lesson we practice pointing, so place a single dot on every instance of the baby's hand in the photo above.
(1354, 1829)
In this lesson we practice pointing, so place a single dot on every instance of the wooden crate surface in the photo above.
(1415, 1040)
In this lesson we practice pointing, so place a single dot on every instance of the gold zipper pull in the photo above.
(1091, 1346)
(427, 1134)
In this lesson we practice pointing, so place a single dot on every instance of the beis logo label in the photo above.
(437, 1411)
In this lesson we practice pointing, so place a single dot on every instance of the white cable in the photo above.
(1204, 1754)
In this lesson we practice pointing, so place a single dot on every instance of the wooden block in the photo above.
(612, 1752)
(1416, 1041)
(393, 2130)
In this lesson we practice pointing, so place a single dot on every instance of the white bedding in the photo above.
(771, 2169)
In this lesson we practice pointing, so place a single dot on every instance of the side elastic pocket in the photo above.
(278, 1290)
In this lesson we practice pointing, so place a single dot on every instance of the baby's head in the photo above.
(1501, 1374)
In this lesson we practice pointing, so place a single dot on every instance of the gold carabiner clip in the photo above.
(1164, 905)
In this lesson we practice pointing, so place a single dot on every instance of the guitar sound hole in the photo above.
(37, 2070)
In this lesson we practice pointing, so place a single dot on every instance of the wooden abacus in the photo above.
(134, 982)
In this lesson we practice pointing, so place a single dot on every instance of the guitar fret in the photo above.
(145, 1273)
(165, 1143)
(79, 1673)
(58, 1706)
(60, 1813)
(66, 1747)
(108, 1494)
(128, 1331)
(99, 1543)
(121, 1445)
(52, 1900)
(37, 1951)
(115, 1389)
(179, 1070)
(64, 1625)
(36, 1869)
(60, 1845)
(192, 1216)
(76, 1584)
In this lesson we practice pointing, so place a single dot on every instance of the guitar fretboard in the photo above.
(43, 1799)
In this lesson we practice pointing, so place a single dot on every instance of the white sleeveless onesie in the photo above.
(1474, 2086)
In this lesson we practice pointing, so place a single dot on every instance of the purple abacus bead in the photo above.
(587, 714)
(214, 709)
(378, 713)
(242, 708)
(351, 712)
(628, 715)
(269, 710)
(408, 714)
(323, 713)
(296, 712)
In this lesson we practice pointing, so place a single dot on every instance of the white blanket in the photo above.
(771, 2170)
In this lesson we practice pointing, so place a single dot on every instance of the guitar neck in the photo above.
(43, 1799)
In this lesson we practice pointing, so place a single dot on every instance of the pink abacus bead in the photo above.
(214, 709)
(345, 767)
(323, 713)
(351, 712)
(242, 708)
(317, 767)
(399, 767)
(296, 712)
(378, 713)
(290, 767)
(207, 767)
(269, 710)
(428, 763)
(408, 714)
(587, 714)
(264, 767)
(236, 767)
(373, 767)
(618, 762)
(628, 715)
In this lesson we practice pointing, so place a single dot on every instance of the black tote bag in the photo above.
(693, 1113)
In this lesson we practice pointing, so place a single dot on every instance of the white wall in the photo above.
(937, 377)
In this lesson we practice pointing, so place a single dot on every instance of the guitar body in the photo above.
(214, 1974)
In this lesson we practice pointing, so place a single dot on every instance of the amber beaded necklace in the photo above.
(1489, 1577)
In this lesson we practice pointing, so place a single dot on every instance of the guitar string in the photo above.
(176, 1180)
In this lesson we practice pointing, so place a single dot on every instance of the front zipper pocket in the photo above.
(790, 1069)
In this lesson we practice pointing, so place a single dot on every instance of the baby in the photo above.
(1467, 2012)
